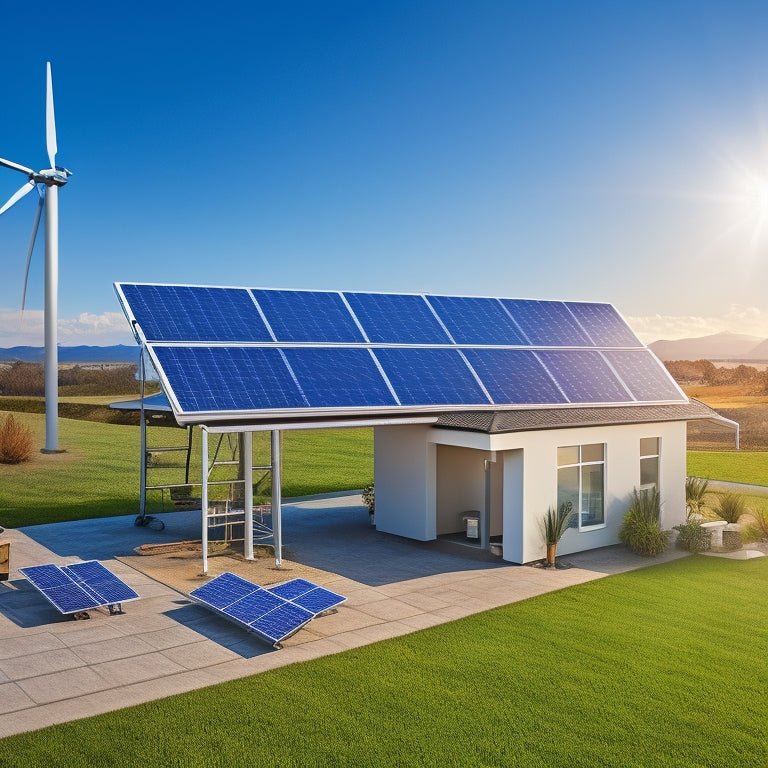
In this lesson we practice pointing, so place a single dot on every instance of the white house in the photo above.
(511, 466)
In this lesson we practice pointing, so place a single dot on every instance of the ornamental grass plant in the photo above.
(640, 530)
(16, 442)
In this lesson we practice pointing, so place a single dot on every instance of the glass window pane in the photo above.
(568, 455)
(568, 490)
(592, 507)
(592, 452)
(649, 446)
(649, 471)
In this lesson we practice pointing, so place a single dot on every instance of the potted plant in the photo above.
(555, 523)
(369, 500)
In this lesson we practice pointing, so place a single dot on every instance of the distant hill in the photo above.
(119, 353)
(718, 346)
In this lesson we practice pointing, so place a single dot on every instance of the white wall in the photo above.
(405, 477)
(417, 465)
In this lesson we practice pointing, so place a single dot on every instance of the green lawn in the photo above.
(98, 476)
(737, 466)
(659, 667)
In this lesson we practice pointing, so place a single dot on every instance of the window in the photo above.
(580, 480)
(649, 462)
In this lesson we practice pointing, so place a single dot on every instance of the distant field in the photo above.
(98, 476)
(726, 396)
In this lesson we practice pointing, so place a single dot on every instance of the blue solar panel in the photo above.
(224, 590)
(477, 321)
(308, 595)
(514, 376)
(645, 376)
(265, 611)
(547, 323)
(78, 587)
(584, 376)
(391, 318)
(430, 377)
(338, 377)
(185, 313)
(308, 316)
(293, 588)
(253, 606)
(282, 622)
(229, 378)
(96, 579)
(604, 325)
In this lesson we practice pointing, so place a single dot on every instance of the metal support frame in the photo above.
(277, 523)
(204, 500)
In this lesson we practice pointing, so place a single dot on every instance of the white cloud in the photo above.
(96, 330)
(750, 321)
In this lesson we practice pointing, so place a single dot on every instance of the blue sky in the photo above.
(585, 151)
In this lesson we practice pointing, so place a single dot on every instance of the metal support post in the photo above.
(277, 535)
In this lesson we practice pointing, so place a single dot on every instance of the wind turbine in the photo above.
(47, 183)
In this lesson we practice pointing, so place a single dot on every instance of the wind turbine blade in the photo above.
(16, 166)
(31, 248)
(50, 119)
(28, 187)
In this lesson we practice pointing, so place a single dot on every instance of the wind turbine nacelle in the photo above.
(56, 177)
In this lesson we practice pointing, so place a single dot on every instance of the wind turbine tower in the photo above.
(47, 183)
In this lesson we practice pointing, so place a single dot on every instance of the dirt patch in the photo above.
(182, 569)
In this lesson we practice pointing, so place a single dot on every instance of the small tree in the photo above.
(16, 441)
(554, 525)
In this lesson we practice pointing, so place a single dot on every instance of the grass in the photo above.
(738, 467)
(624, 671)
(98, 476)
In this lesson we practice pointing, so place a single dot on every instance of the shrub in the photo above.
(640, 530)
(730, 506)
(695, 490)
(692, 537)
(15, 441)
(369, 498)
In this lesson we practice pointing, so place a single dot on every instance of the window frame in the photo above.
(581, 528)
(657, 456)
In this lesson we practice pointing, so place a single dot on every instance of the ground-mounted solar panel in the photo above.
(397, 318)
(282, 622)
(308, 316)
(80, 587)
(604, 324)
(308, 595)
(423, 376)
(514, 376)
(472, 320)
(643, 374)
(339, 377)
(223, 590)
(547, 323)
(190, 313)
(271, 615)
(584, 377)
(206, 379)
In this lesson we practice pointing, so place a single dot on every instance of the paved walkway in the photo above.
(54, 669)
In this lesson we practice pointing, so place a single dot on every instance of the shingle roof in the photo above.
(524, 420)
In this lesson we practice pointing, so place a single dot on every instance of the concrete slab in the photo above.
(54, 669)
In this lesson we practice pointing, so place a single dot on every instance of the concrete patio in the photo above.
(54, 669)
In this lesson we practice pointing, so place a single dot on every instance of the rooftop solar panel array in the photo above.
(225, 352)
(274, 614)
(79, 587)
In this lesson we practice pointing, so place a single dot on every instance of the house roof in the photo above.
(529, 419)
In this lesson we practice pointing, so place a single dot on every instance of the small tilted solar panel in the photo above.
(79, 587)
(223, 353)
(274, 614)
